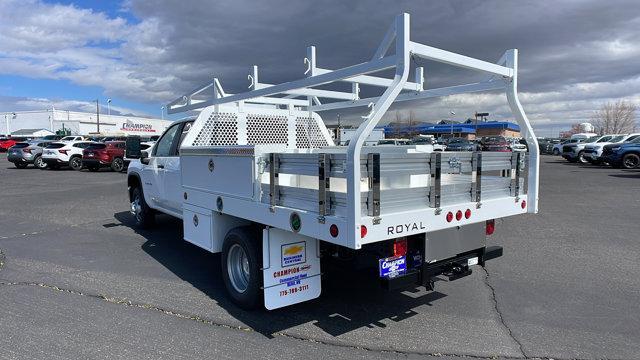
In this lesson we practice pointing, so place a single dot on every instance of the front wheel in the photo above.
(142, 213)
(582, 158)
(117, 165)
(39, 163)
(241, 264)
(631, 161)
(76, 163)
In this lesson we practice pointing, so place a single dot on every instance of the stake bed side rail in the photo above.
(302, 95)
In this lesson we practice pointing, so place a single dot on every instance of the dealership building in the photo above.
(80, 123)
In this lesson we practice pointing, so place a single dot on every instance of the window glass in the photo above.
(632, 137)
(163, 148)
(185, 131)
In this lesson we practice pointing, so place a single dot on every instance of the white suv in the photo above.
(68, 153)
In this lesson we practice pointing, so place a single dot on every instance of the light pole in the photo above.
(452, 114)
(109, 107)
(98, 114)
(162, 112)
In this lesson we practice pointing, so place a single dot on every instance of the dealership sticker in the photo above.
(293, 254)
(393, 266)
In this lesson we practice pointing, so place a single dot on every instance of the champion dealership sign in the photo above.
(132, 126)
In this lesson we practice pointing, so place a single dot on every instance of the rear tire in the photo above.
(631, 161)
(241, 264)
(142, 213)
(76, 163)
(21, 165)
(117, 165)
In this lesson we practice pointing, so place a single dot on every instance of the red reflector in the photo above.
(63, 152)
(523, 204)
(27, 150)
(333, 230)
(449, 216)
(363, 231)
(491, 227)
(459, 215)
(467, 214)
(400, 247)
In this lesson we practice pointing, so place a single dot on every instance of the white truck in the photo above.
(256, 177)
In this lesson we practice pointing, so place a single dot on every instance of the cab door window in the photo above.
(165, 147)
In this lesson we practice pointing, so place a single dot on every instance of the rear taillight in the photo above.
(400, 247)
(490, 227)
(363, 231)
(27, 150)
(62, 151)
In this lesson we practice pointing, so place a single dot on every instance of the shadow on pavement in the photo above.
(349, 300)
(628, 175)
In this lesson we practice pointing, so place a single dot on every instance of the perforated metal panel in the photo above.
(308, 134)
(231, 125)
(218, 129)
(267, 129)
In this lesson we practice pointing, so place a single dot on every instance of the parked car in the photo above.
(68, 153)
(73, 138)
(427, 140)
(495, 143)
(108, 154)
(393, 142)
(516, 144)
(460, 144)
(593, 152)
(6, 143)
(575, 152)
(52, 137)
(546, 145)
(626, 154)
(557, 148)
(30, 152)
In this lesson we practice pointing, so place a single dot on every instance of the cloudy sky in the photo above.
(574, 55)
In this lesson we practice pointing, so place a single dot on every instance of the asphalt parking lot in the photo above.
(77, 281)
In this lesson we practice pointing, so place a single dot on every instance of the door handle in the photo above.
(160, 166)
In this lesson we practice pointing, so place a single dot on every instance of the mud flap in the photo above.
(291, 268)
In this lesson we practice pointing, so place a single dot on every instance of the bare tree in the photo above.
(412, 123)
(397, 124)
(575, 129)
(615, 118)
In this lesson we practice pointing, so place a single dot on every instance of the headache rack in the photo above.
(390, 190)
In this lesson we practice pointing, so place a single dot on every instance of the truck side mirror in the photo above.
(132, 147)
(144, 157)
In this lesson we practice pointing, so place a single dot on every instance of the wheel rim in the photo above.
(39, 163)
(631, 162)
(75, 163)
(238, 268)
(582, 158)
(136, 208)
(117, 164)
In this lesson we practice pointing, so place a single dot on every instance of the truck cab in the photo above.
(157, 176)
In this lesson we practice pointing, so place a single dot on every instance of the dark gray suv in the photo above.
(29, 152)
